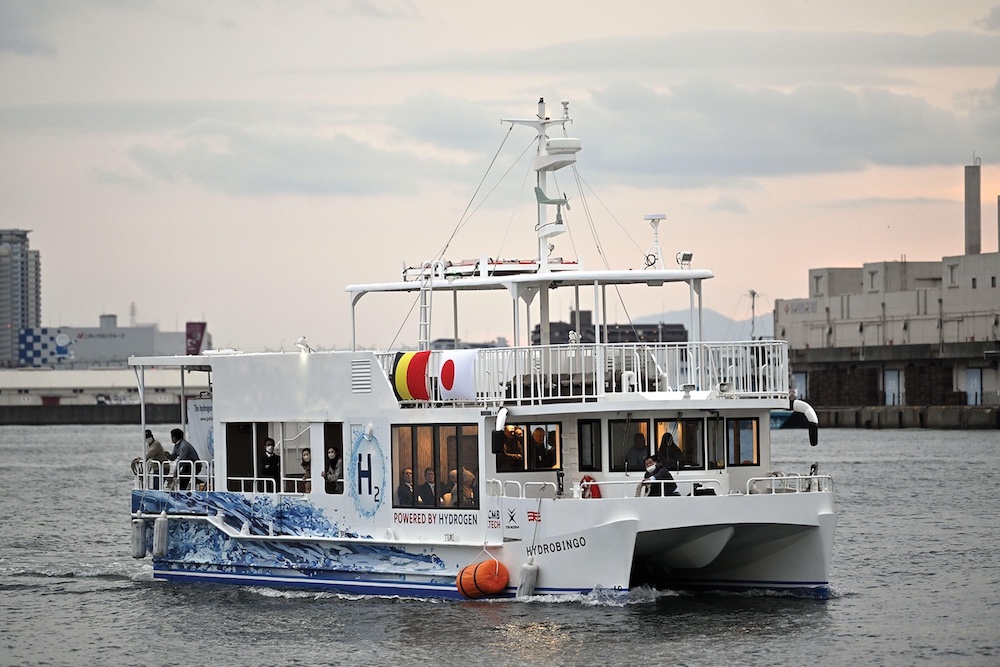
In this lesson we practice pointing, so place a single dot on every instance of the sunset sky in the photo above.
(240, 162)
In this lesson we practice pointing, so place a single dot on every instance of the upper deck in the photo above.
(538, 375)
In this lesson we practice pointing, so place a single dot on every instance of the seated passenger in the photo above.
(427, 492)
(404, 492)
(656, 473)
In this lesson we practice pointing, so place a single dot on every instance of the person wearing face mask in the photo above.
(307, 471)
(656, 472)
(333, 473)
(270, 466)
(154, 452)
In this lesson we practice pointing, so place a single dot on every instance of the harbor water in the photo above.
(915, 578)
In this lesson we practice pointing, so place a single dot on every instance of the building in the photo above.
(107, 345)
(900, 333)
(582, 326)
(20, 291)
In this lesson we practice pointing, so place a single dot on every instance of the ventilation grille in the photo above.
(361, 376)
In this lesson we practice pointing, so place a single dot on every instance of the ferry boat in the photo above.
(523, 462)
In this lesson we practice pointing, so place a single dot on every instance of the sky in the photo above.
(240, 162)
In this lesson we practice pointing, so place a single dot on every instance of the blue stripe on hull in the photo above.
(339, 584)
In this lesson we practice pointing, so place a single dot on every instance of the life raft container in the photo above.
(591, 490)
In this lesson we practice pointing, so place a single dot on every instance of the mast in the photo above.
(551, 154)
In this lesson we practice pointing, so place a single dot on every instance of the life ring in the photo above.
(590, 490)
(136, 466)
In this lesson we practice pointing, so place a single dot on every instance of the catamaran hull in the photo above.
(206, 541)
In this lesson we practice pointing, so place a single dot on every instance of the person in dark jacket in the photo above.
(656, 473)
(270, 466)
(185, 455)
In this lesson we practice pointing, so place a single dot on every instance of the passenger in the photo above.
(544, 452)
(511, 458)
(657, 471)
(465, 495)
(669, 453)
(154, 452)
(270, 466)
(450, 494)
(404, 492)
(306, 471)
(186, 456)
(427, 492)
(334, 471)
(635, 456)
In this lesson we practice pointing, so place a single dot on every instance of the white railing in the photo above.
(790, 483)
(174, 475)
(534, 374)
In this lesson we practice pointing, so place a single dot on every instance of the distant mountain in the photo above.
(717, 325)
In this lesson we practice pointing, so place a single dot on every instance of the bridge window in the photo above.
(589, 438)
(686, 435)
(742, 442)
(629, 444)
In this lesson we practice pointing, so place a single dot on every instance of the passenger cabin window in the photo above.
(589, 442)
(528, 448)
(629, 444)
(268, 457)
(742, 442)
(435, 466)
(680, 443)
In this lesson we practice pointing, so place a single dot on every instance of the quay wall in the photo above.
(896, 416)
(47, 415)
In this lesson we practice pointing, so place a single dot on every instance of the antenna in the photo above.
(655, 255)
(753, 313)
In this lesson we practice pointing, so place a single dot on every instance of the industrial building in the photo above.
(901, 333)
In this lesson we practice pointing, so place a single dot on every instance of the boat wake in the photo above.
(128, 570)
(599, 597)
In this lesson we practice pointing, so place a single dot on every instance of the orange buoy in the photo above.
(488, 577)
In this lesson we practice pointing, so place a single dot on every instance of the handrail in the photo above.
(535, 373)
(167, 475)
(790, 483)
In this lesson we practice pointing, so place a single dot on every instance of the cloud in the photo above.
(23, 26)
(991, 21)
(707, 129)
(379, 9)
(236, 161)
(712, 50)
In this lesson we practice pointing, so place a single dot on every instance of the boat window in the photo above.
(333, 457)
(628, 452)
(742, 442)
(435, 466)
(680, 443)
(589, 439)
(510, 452)
(244, 449)
(530, 447)
(292, 440)
(716, 435)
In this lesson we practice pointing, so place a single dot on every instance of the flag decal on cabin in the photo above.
(409, 376)
(457, 374)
